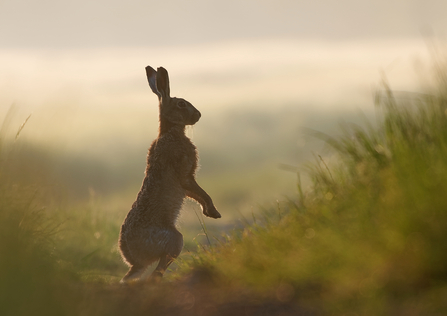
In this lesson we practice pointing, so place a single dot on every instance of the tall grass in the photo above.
(32, 282)
(370, 236)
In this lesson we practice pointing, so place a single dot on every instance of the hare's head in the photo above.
(174, 110)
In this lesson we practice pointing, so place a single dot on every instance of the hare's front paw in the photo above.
(211, 212)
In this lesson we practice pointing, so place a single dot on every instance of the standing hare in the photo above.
(148, 233)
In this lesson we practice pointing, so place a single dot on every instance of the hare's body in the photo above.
(148, 233)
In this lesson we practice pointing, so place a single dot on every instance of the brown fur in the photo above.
(148, 233)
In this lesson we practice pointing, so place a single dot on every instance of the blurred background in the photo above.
(261, 72)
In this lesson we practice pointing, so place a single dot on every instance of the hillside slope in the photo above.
(370, 237)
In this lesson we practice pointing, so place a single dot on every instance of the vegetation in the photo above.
(33, 282)
(368, 237)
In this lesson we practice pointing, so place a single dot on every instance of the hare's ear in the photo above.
(163, 82)
(152, 79)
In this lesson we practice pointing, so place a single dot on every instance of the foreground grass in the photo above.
(368, 238)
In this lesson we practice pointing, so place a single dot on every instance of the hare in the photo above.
(148, 233)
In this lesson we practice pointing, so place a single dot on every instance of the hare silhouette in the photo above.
(148, 233)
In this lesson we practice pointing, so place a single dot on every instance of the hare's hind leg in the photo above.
(163, 264)
(136, 270)
(173, 248)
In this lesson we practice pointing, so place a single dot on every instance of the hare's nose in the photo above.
(196, 116)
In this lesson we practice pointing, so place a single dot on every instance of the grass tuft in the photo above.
(370, 236)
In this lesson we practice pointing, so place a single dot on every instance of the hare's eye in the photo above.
(181, 104)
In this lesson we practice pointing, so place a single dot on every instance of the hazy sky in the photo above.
(105, 23)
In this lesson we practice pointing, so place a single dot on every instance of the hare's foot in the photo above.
(211, 212)
(133, 274)
(161, 268)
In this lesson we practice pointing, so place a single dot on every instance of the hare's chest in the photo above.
(188, 157)
(178, 155)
